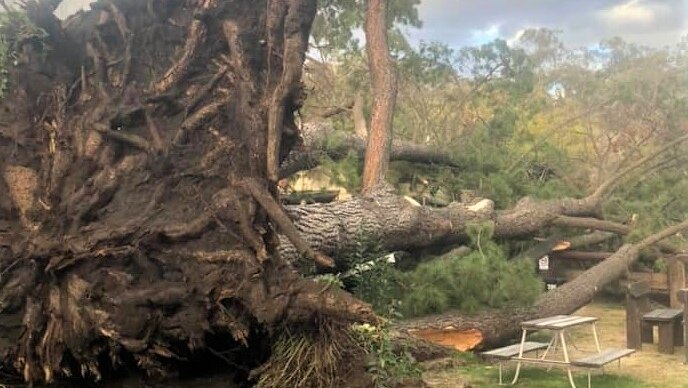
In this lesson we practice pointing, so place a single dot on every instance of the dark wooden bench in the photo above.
(507, 352)
(599, 360)
(637, 305)
(669, 326)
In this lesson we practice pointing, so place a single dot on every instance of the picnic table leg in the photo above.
(553, 346)
(500, 373)
(566, 357)
(594, 335)
(520, 355)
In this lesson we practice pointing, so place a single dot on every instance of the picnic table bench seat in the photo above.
(601, 359)
(506, 352)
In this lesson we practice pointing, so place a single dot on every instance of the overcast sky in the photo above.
(582, 22)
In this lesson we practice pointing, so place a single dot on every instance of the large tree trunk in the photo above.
(399, 224)
(499, 326)
(135, 189)
(384, 84)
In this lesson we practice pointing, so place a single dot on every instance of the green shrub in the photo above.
(386, 363)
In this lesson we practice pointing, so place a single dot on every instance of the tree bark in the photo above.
(129, 238)
(402, 225)
(384, 85)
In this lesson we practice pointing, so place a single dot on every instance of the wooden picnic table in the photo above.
(558, 324)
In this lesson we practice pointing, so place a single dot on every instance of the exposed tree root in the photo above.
(116, 258)
(284, 223)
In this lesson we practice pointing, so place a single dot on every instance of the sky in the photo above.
(582, 22)
(459, 23)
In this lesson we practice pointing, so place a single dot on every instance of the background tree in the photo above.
(384, 85)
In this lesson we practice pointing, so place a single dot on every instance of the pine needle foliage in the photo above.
(375, 280)
(484, 278)
(302, 358)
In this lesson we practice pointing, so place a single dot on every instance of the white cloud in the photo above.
(516, 36)
(483, 36)
(583, 22)
(634, 12)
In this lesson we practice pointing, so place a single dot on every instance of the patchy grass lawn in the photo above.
(645, 368)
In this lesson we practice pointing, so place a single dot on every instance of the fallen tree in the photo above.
(321, 140)
(496, 327)
(139, 147)
(400, 223)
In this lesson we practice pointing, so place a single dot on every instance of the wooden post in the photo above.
(637, 304)
(676, 274)
(683, 297)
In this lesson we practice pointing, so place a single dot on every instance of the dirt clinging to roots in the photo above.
(138, 144)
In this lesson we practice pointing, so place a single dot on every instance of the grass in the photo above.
(646, 368)
(486, 375)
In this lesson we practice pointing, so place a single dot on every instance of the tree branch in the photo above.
(321, 140)
(611, 183)
(592, 223)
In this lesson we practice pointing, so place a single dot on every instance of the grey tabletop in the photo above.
(557, 322)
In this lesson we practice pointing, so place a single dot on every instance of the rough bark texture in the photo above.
(384, 85)
(128, 236)
(402, 225)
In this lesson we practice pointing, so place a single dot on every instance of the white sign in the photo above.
(543, 263)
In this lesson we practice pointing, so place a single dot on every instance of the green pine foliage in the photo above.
(484, 278)
(375, 283)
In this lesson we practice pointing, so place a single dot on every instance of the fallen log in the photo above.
(400, 224)
(581, 255)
